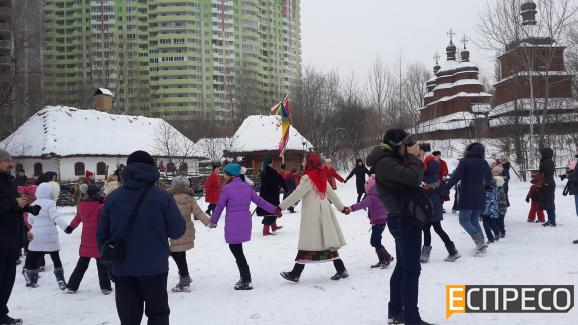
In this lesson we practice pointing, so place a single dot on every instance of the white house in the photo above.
(70, 141)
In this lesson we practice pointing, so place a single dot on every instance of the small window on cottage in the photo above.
(79, 169)
(184, 168)
(38, 169)
(101, 168)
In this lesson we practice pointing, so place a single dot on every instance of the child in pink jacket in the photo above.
(378, 219)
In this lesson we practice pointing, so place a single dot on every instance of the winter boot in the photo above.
(380, 259)
(395, 320)
(295, 274)
(575, 242)
(341, 271)
(106, 292)
(59, 274)
(274, 226)
(31, 278)
(386, 257)
(244, 284)
(425, 253)
(291, 210)
(480, 244)
(184, 284)
(267, 230)
(453, 253)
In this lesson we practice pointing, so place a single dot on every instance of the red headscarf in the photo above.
(316, 174)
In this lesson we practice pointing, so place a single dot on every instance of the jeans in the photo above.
(80, 269)
(180, 259)
(470, 221)
(404, 282)
(244, 270)
(7, 277)
(437, 226)
(134, 292)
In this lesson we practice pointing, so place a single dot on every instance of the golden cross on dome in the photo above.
(465, 41)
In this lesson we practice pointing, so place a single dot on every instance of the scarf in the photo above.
(316, 174)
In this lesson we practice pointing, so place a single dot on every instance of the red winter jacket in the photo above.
(88, 212)
(332, 175)
(213, 188)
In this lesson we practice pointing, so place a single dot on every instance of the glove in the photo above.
(528, 199)
(212, 226)
(69, 230)
(346, 210)
(278, 213)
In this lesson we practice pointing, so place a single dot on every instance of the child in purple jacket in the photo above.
(378, 219)
(237, 196)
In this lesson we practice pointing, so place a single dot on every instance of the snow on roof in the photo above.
(452, 121)
(534, 74)
(525, 120)
(461, 82)
(261, 133)
(103, 91)
(481, 108)
(68, 131)
(525, 104)
(449, 65)
(460, 94)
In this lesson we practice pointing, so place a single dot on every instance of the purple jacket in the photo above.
(237, 197)
(377, 211)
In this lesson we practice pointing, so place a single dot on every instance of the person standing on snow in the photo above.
(331, 174)
(399, 171)
(212, 189)
(271, 183)
(185, 198)
(289, 182)
(359, 171)
(88, 213)
(320, 235)
(141, 277)
(236, 198)
(377, 215)
(475, 176)
(547, 193)
(433, 189)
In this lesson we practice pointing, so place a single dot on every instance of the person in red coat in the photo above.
(212, 189)
(88, 212)
(331, 174)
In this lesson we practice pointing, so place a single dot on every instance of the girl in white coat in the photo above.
(43, 227)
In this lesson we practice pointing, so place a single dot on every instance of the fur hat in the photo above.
(180, 181)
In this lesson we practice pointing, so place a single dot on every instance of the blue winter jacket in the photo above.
(147, 247)
(474, 173)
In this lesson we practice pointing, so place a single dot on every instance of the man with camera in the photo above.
(12, 233)
(399, 171)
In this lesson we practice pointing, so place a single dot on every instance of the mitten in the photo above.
(69, 230)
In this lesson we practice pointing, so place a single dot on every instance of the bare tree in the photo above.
(377, 87)
(166, 141)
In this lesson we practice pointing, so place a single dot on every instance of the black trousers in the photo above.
(144, 293)
(491, 228)
(437, 226)
(244, 270)
(211, 208)
(7, 277)
(80, 269)
(34, 260)
(180, 259)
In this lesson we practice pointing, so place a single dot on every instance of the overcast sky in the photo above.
(347, 35)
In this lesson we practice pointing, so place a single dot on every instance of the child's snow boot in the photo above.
(267, 230)
(274, 226)
(59, 274)
(425, 253)
(31, 278)
(453, 253)
(184, 284)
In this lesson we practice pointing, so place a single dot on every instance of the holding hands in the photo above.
(346, 210)
(69, 230)
(212, 226)
(278, 213)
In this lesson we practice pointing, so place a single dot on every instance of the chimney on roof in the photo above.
(103, 100)
(528, 13)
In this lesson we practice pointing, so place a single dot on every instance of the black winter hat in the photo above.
(142, 157)
(394, 137)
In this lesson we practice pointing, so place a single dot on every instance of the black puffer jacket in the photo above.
(359, 172)
(271, 185)
(12, 230)
(548, 168)
(394, 175)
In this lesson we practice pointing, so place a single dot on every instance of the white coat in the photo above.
(43, 225)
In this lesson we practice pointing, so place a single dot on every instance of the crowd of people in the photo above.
(131, 227)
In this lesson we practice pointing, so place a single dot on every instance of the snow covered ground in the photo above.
(530, 254)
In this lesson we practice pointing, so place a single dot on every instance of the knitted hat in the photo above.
(142, 157)
(396, 137)
(267, 160)
(83, 188)
(88, 174)
(233, 169)
(370, 183)
(4, 155)
(180, 181)
(436, 153)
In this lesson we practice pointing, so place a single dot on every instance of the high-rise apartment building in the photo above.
(176, 59)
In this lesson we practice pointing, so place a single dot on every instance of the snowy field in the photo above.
(530, 254)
